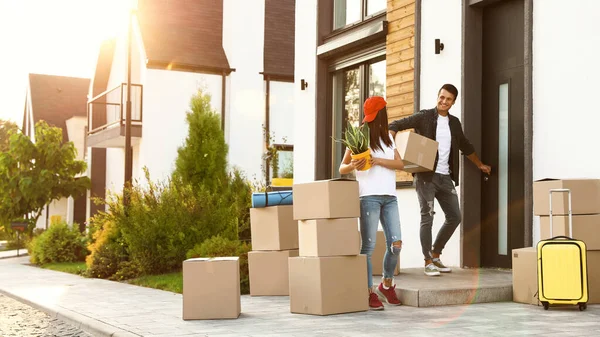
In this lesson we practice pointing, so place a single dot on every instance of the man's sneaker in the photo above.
(440, 266)
(388, 294)
(431, 270)
(374, 302)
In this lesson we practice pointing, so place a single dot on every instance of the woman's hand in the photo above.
(358, 164)
(377, 162)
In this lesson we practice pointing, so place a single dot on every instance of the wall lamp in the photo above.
(439, 46)
(303, 84)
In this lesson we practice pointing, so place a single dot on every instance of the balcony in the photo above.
(106, 117)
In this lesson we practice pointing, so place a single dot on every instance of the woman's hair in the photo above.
(378, 129)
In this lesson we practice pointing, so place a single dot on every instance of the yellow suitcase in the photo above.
(562, 267)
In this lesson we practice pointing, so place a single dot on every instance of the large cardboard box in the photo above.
(273, 228)
(269, 273)
(593, 267)
(316, 287)
(585, 228)
(585, 196)
(417, 152)
(524, 272)
(328, 237)
(211, 288)
(326, 199)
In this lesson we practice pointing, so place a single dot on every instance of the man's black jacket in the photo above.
(425, 123)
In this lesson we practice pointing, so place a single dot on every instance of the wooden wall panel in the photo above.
(400, 62)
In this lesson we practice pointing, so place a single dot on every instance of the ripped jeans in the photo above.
(372, 209)
(441, 187)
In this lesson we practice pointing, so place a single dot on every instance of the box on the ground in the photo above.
(211, 288)
(328, 285)
(417, 152)
(273, 228)
(326, 199)
(593, 268)
(378, 255)
(585, 196)
(585, 228)
(328, 237)
(269, 273)
(524, 274)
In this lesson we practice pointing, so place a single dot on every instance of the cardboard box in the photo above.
(326, 199)
(269, 273)
(328, 237)
(524, 272)
(379, 253)
(316, 289)
(585, 196)
(417, 152)
(585, 228)
(211, 288)
(273, 228)
(593, 267)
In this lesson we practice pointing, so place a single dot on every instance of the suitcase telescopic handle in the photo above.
(561, 190)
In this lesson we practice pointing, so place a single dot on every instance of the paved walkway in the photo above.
(107, 308)
(12, 253)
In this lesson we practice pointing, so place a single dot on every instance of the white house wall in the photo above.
(439, 19)
(565, 90)
(76, 132)
(167, 96)
(243, 40)
(305, 100)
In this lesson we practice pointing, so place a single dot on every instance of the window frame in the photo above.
(364, 17)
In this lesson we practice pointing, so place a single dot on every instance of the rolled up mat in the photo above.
(265, 199)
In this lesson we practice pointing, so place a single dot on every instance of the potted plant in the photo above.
(357, 138)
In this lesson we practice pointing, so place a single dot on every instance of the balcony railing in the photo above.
(107, 113)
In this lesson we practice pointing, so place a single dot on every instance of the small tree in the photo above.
(202, 160)
(32, 174)
(7, 128)
(202, 163)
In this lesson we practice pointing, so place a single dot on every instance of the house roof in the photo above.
(279, 37)
(55, 99)
(184, 33)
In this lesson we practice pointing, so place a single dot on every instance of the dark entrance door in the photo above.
(502, 194)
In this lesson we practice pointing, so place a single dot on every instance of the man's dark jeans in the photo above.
(441, 188)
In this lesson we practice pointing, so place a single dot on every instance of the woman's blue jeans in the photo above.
(374, 208)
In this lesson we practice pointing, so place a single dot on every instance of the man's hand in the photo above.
(358, 164)
(485, 169)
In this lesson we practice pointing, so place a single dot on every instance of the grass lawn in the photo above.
(67, 267)
(170, 282)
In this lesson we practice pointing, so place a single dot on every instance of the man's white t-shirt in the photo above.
(444, 138)
(378, 180)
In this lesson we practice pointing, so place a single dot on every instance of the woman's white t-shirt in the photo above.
(378, 180)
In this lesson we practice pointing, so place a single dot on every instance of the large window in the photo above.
(347, 12)
(280, 138)
(351, 86)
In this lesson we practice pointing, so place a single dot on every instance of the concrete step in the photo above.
(461, 286)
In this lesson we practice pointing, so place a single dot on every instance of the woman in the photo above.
(377, 188)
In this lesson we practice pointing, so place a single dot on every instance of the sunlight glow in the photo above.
(59, 37)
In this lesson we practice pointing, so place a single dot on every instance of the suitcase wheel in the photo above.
(582, 306)
(546, 305)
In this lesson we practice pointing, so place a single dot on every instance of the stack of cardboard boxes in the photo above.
(585, 201)
(329, 276)
(274, 240)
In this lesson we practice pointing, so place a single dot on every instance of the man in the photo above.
(439, 124)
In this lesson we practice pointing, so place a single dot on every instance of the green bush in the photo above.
(106, 246)
(218, 246)
(60, 243)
